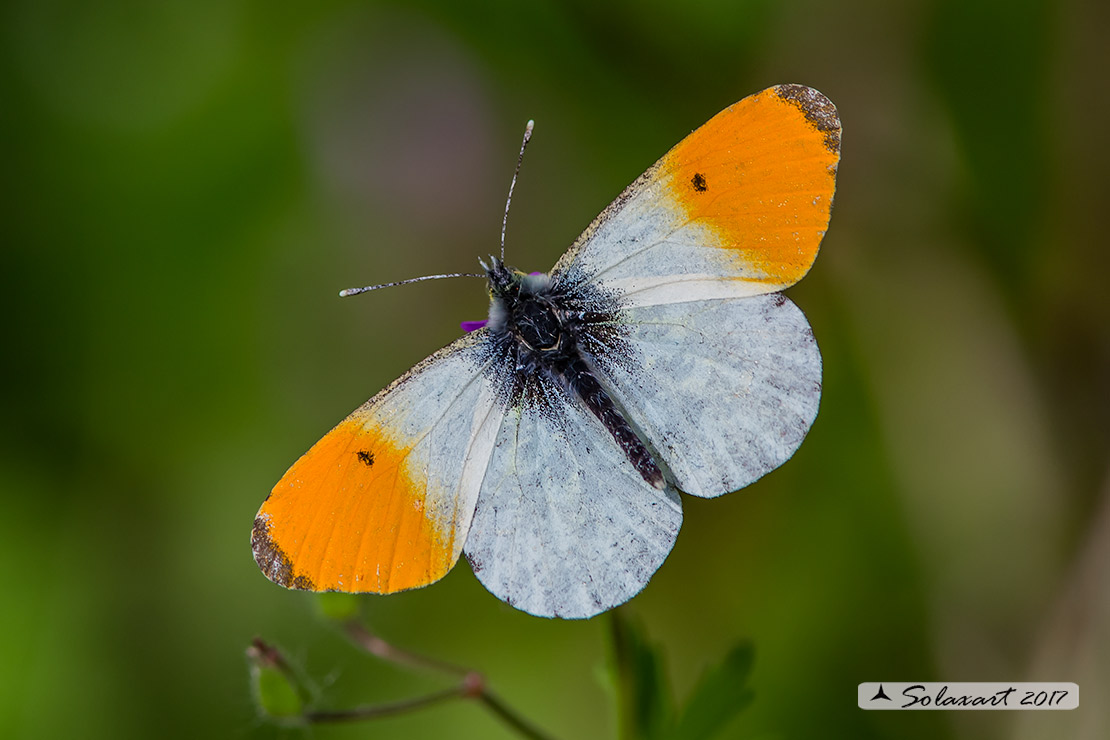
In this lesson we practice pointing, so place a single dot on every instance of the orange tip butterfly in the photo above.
(550, 445)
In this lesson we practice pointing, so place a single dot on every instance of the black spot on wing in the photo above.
(698, 181)
(366, 457)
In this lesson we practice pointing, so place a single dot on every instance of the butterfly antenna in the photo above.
(519, 159)
(368, 288)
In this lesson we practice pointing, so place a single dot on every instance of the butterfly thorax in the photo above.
(537, 328)
(525, 307)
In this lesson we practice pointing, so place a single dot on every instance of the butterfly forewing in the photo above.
(737, 208)
(719, 373)
(383, 502)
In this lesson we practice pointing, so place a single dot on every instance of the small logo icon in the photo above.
(881, 695)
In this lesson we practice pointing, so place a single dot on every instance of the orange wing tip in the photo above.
(273, 561)
(818, 110)
(353, 515)
(758, 179)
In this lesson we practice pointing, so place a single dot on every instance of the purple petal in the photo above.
(469, 326)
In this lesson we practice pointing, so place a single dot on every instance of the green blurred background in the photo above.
(187, 184)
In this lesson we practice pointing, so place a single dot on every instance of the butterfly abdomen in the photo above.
(579, 378)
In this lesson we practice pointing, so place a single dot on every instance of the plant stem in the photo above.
(510, 717)
(473, 685)
(382, 710)
(378, 647)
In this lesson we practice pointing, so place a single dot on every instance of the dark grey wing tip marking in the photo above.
(818, 110)
(273, 561)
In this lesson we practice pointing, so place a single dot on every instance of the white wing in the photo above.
(716, 371)
(383, 502)
(737, 208)
(565, 526)
(723, 390)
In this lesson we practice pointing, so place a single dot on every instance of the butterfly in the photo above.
(550, 446)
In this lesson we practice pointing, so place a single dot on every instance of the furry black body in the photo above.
(543, 333)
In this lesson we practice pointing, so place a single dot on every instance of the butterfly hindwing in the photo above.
(565, 525)
(383, 502)
(724, 390)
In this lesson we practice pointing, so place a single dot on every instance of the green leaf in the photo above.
(720, 695)
(276, 690)
(645, 708)
(276, 696)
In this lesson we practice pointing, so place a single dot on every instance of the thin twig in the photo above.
(382, 710)
(510, 717)
(378, 647)
(264, 655)
(472, 686)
